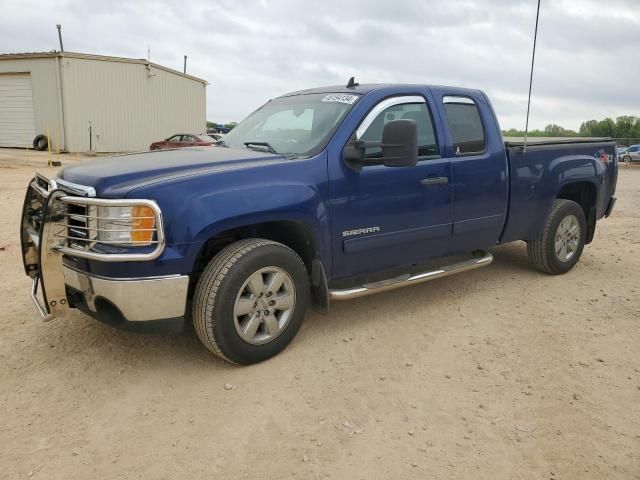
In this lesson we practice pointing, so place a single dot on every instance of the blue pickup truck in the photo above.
(319, 195)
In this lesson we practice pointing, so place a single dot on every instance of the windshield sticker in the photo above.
(340, 98)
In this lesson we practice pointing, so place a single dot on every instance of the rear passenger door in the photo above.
(478, 170)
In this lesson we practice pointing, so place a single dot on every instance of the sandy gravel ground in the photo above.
(499, 373)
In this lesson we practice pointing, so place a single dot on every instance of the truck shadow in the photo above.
(80, 335)
(510, 264)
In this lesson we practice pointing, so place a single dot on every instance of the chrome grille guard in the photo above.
(45, 236)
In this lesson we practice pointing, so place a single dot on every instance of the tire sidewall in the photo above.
(568, 208)
(224, 330)
(40, 143)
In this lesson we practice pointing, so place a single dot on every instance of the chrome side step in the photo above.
(481, 259)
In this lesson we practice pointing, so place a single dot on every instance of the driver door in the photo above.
(384, 217)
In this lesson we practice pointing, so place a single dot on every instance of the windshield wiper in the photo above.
(262, 144)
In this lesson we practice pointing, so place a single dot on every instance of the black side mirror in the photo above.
(400, 143)
(399, 147)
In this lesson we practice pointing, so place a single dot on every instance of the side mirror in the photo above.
(399, 147)
(400, 144)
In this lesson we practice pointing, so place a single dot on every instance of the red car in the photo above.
(183, 140)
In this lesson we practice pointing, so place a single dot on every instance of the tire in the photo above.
(542, 251)
(153, 149)
(40, 143)
(626, 159)
(227, 289)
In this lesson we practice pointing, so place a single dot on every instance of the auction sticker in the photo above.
(340, 98)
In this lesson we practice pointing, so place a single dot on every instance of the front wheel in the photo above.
(250, 301)
(559, 246)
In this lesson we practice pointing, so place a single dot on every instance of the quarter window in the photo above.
(465, 125)
(418, 112)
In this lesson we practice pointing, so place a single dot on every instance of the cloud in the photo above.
(251, 51)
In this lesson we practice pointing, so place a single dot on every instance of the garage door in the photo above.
(17, 126)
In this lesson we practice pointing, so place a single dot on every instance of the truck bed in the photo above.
(539, 174)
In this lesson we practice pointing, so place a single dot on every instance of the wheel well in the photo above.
(295, 235)
(584, 194)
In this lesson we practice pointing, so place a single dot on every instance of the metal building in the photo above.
(95, 103)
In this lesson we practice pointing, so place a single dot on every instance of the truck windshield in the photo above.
(292, 126)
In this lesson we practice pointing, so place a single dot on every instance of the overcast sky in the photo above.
(587, 63)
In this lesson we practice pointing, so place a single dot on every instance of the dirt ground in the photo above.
(499, 373)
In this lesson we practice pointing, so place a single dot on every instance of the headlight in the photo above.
(132, 226)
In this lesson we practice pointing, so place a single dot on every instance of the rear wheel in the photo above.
(250, 301)
(559, 246)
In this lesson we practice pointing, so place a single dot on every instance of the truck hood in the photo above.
(114, 177)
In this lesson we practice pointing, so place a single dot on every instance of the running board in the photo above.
(481, 259)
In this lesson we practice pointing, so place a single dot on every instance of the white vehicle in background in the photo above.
(631, 154)
(216, 136)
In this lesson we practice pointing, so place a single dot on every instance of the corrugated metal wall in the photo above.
(127, 105)
(45, 93)
(17, 120)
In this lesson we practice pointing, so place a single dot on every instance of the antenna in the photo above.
(533, 58)
(352, 83)
(185, 64)
(59, 27)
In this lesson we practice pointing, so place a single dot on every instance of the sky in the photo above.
(587, 58)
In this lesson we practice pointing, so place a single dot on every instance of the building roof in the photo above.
(88, 56)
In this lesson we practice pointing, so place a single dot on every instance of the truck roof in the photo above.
(369, 87)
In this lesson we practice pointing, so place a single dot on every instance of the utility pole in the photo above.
(59, 27)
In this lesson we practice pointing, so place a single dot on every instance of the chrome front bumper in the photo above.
(137, 299)
(61, 286)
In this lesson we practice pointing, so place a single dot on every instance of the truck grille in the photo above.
(81, 228)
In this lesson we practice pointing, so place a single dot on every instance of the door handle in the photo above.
(432, 181)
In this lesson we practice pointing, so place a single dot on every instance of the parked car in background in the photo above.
(621, 151)
(631, 154)
(183, 140)
(216, 136)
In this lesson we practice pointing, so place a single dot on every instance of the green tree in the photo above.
(586, 129)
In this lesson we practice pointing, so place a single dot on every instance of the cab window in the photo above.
(419, 113)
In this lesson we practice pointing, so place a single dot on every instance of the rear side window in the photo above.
(465, 125)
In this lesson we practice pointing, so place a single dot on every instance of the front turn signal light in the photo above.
(143, 222)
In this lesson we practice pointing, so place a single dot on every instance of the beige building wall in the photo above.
(128, 105)
(47, 106)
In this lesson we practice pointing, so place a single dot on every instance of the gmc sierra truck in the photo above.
(319, 195)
